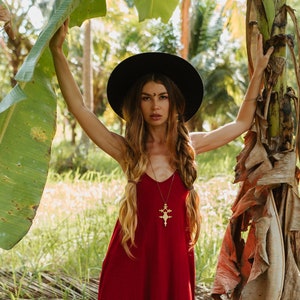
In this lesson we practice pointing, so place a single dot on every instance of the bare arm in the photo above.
(111, 143)
(205, 141)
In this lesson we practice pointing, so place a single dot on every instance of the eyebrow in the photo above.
(148, 94)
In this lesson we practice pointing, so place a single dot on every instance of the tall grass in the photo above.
(77, 214)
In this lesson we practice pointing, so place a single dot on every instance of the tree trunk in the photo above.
(185, 28)
(87, 66)
(84, 144)
(265, 264)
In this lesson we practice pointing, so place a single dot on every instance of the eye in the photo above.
(145, 98)
(164, 97)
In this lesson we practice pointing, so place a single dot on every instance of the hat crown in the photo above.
(180, 71)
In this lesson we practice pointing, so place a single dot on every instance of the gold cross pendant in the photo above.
(165, 212)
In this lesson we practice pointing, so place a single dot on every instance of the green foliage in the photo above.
(96, 162)
(207, 25)
(218, 65)
(270, 11)
(155, 9)
(87, 10)
(219, 162)
(26, 133)
(27, 130)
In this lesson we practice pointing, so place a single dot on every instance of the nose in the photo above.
(155, 103)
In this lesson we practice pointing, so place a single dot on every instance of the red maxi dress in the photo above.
(163, 267)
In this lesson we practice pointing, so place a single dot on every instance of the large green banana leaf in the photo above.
(27, 127)
(28, 118)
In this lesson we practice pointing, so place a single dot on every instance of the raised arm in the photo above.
(205, 141)
(111, 143)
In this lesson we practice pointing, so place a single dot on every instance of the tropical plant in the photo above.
(217, 62)
(259, 257)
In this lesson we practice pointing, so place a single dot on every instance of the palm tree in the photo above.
(217, 64)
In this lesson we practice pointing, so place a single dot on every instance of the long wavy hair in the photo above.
(182, 156)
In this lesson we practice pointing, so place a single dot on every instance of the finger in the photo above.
(270, 51)
(67, 21)
(259, 43)
(259, 39)
(260, 46)
(64, 27)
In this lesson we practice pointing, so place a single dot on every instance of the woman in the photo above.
(150, 255)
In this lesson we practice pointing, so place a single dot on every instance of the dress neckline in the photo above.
(165, 180)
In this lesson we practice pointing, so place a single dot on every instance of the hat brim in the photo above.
(183, 74)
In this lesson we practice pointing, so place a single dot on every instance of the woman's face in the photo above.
(155, 103)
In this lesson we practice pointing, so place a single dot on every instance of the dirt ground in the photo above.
(203, 293)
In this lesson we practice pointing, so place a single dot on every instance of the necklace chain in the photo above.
(165, 210)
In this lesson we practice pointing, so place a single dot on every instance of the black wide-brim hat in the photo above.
(180, 71)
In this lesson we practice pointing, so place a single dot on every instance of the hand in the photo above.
(59, 37)
(262, 59)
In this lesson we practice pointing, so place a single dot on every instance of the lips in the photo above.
(155, 116)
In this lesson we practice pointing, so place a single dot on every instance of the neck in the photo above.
(157, 135)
